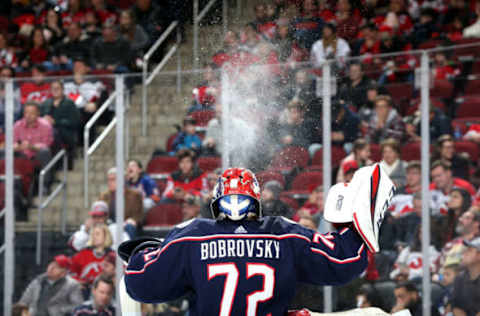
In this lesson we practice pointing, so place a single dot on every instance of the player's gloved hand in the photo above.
(130, 247)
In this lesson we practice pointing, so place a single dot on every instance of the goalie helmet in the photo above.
(236, 195)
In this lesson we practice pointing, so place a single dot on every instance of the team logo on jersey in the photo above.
(240, 230)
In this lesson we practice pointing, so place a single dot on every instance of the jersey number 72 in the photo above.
(230, 271)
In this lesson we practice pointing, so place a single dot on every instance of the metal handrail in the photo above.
(147, 79)
(86, 138)
(197, 18)
(62, 186)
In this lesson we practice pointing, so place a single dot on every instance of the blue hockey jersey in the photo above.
(242, 268)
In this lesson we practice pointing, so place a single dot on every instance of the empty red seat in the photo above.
(290, 157)
(338, 153)
(473, 85)
(162, 164)
(468, 106)
(165, 214)
(410, 151)
(23, 167)
(415, 105)
(468, 147)
(169, 143)
(305, 182)
(441, 89)
(269, 175)
(400, 91)
(203, 117)
(208, 164)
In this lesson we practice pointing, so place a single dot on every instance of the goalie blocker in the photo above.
(362, 201)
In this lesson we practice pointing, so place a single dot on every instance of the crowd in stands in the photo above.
(375, 118)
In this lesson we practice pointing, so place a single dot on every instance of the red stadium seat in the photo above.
(415, 105)
(305, 182)
(162, 164)
(169, 143)
(269, 175)
(412, 151)
(442, 89)
(289, 158)
(400, 92)
(472, 86)
(23, 167)
(468, 106)
(337, 155)
(468, 147)
(208, 164)
(165, 214)
(203, 117)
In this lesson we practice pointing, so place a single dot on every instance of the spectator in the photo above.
(314, 204)
(133, 203)
(64, 117)
(36, 90)
(307, 27)
(329, 47)
(133, 32)
(251, 40)
(20, 309)
(296, 129)
(349, 169)
(442, 69)
(446, 151)
(409, 263)
(345, 126)
(7, 54)
(442, 184)
(474, 29)
(53, 29)
(467, 229)
(308, 221)
(407, 297)
(354, 89)
(38, 52)
(368, 297)
(260, 15)
(205, 93)
(111, 52)
(187, 180)
(108, 266)
(271, 203)
(426, 28)
(187, 138)
(208, 192)
(191, 208)
(385, 122)
(104, 11)
(459, 202)
(303, 88)
(33, 135)
(138, 180)
(88, 95)
(153, 19)
(448, 274)
(391, 163)
(466, 297)
(103, 290)
(74, 46)
(348, 20)
(53, 292)
(229, 52)
(282, 40)
(408, 219)
(98, 215)
(92, 26)
(439, 125)
(86, 264)
(360, 153)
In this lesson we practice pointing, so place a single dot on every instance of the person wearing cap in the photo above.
(97, 215)
(466, 287)
(187, 138)
(53, 292)
(271, 203)
(108, 265)
(349, 169)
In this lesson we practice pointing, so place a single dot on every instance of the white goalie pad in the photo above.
(375, 191)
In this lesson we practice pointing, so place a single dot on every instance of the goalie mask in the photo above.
(236, 195)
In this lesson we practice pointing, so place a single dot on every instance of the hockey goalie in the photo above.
(242, 263)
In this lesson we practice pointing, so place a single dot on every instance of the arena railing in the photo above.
(148, 78)
(197, 18)
(43, 203)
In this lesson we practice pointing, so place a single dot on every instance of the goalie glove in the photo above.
(362, 201)
(131, 247)
(374, 191)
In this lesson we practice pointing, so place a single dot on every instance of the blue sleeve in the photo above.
(332, 259)
(149, 185)
(157, 275)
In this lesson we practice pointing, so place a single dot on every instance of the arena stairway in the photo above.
(166, 108)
